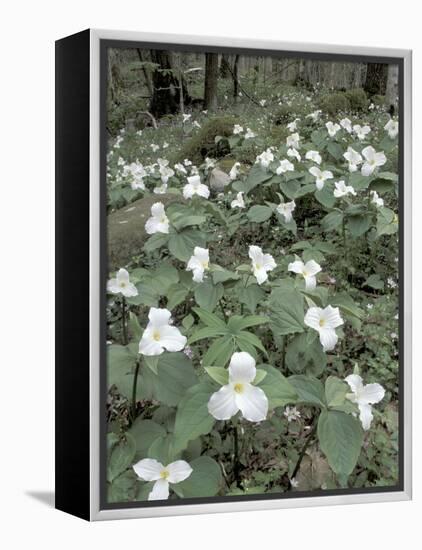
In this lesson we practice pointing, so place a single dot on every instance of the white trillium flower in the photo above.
(196, 123)
(240, 393)
(364, 397)
(372, 160)
(392, 128)
(187, 162)
(292, 126)
(195, 187)
(263, 102)
(180, 168)
(186, 118)
(321, 176)
(361, 131)
(122, 285)
(376, 199)
(314, 116)
(150, 469)
(286, 209)
(154, 147)
(353, 158)
(249, 134)
(332, 128)
(158, 222)
(314, 156)
(234, 171)
(346, 124)
(308, 271)
(160, 335)
(198, 263)
(341, 189)
(293, 141)
(209, 163)
(265, 158)
(293, 153)
(261, 263)
(160, 190)
(324, 321)
(285, 166)
(238, 202)
(237, 129)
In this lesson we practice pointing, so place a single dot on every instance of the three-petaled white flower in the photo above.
(195, 187)
(392, 128)
(314, 156)
(240, 393)
(237, 129)
(186, 117)
(364, 396)
(321, 176)
(361, 131)
(265, 158)
(346, 124)
(234, 171)
(158, 222)
(238, 202)
(324, 321)
(332, 128)
(293, 153)
(308, 271)
(341, 189)
(150, 469)
(249, 134)
(122, 285)
(291, 413)
(286, 209)
(180, 168)
(285, 166)
(292, 126)
(293, 141)
(198, 263)
(159, 335)
(376, 199)
(261, 263)
(372, 160)
(353, 158)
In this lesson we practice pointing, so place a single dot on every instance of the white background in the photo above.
(27, 36)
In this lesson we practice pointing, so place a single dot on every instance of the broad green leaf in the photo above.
(155, 241)
(359, 225)
(205, 480)
(340, 437)
(325, 196)
(309, 389)
(192, 417)
(220, 275)
(176, 295)
(335, 391)
(237, 322)
(206, 332)
(290, 188)
(305, 358)
(122, 488)
(251, 296)
(181, 245)
(218, 374)
(276, 387)
(207, 294)
(244, 337)
(144, 433)
(332, 220)
(335, 150)
(260, 375)
(256, 176)
(210, 319)
(287, 313)
(259, 213)
(151, 362)
(219, 352)
(375, 281)
(122, 456)
(387, 222)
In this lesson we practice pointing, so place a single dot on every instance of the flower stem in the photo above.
(344, 246)
(124, 326)
(303, 451)
(222, 310)
(134, 386)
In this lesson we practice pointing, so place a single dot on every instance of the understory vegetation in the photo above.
(252, 306)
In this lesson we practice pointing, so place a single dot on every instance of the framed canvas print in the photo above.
(233, 274)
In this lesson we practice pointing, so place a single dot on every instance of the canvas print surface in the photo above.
(252, 309)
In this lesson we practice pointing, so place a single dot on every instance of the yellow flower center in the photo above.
(204, 264)
(238, 388)
(321, 322)
(258, 266)
(122, 284)
(305, 273)
(164, 474)
(156, 335)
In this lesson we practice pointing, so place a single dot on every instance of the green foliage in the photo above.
(357, 98)
(335, 103)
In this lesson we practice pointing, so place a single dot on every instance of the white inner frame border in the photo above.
(406, 116)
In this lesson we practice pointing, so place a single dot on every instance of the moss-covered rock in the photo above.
(357, 98)
(203, 144)
(126, 229)
(334, 103)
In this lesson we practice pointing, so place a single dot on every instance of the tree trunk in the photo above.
(235, 76)
(392, 88)
(376, 78)
(211, 81)
(147, 73)
(225, 66)
(166, 97)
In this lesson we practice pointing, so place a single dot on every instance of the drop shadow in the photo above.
(45, 497)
